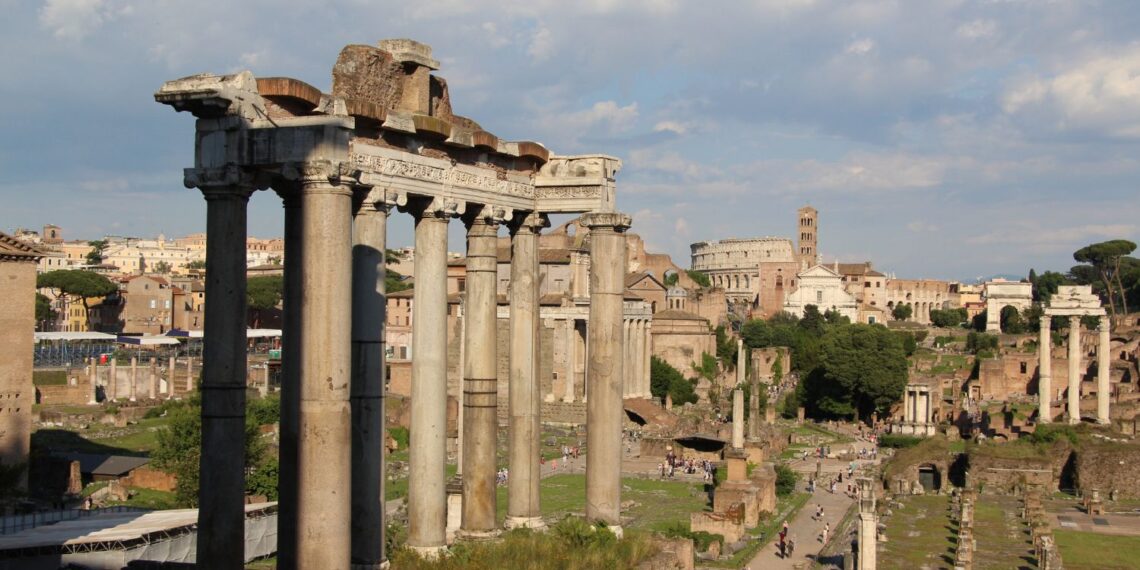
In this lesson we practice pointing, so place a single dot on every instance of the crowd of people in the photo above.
(688, 466)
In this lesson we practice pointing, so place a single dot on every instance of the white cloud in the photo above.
(860, 47)
(541, 45)
(1031, 236)
(978, 29)
(670, 127)
(1100, 95)
(74, 19)
(867, 171)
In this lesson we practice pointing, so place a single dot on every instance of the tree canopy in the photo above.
(664, 379)
(76, 283)
(902, 312)
(700, 278)
(863, 369)
(1106, 258)
(95, 256)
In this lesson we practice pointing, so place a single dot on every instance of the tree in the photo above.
(162, 267)
(1105, 257)
(78, 284)
(44, 312)
(948, 317)
(180, 445)
(698, 277)
(725, 345)
(1045, 285)
(671, 278)
(901, 312)
(196, 265)
(979, 321)
(666, 380)
(98, 247)
(834, 317)
(756, 333)
(1011, 321)
(863, 369)
(707, 367)
(263, 293)
(812, 321)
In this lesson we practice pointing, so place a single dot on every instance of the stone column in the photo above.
(1074, 369)
(189, 374)
(604, 406)
(427, 495)
(868, 526)
(525, 429)
(627, 368)
(1103, 372)
(170, 378)
(221, 512)
(738, 419)
(132, 388)
(369, 239)
(571, 359)
(646, 362)
(480, 377)
(152, 380)
(291, 345)
(740, 366)
(1045, 372)
(94, 382)
(112, 390)
(324, 446)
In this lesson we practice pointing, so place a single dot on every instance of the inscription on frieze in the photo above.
(451, 176)
(568, 192)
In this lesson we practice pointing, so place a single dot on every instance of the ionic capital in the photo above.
(485, 219)
(320, 174)
(226, 182)
(615, 221)
(528, 223)
(377, 199)
(439, 207)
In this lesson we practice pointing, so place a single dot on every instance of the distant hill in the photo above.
(1006, 276)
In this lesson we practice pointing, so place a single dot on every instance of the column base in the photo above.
(429, 552)
(533, 523)
(1074, 421)
(478, 535)
(1103, 422)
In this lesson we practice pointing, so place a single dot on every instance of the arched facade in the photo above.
(1001, 293)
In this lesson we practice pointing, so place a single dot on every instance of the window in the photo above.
(1023, 368)
(167, 303)
(819, 296)
(152, 303)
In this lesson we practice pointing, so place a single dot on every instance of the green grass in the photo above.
(1003, 538)
(141, 437)
(919, 535)
(397, 488)
(49, 377)
(149, 499)
(1089, 551)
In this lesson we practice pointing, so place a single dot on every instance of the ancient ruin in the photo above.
(386, 137)
(1073, 301)
(1000, 294)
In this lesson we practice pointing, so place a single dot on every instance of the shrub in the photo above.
(897, 441)
(400, 434)
(1049, 433)
(785, 480)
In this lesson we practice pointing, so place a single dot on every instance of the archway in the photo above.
(930, 478)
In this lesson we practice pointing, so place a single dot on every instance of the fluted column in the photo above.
(480, 376)
(221, 514)
(152, 379)
(646, 365)
(1074, 369)
(1103, 372)
(291, 348)
(522, 485)
(427, 495)
(606, 352)
(170, 378)
(1045, 372)
(324, 445)
(571, 359)
(369, 239)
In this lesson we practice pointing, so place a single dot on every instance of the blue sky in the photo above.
(942, 138)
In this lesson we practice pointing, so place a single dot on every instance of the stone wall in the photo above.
(65, 395)
(1005, 475)
(1109, 466)
(561, 412)
(17, 394)
(147, 478)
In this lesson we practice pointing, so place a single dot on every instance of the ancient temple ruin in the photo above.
(1073, 301)
(386, 138)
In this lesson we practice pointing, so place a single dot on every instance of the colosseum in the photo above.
(734, 264)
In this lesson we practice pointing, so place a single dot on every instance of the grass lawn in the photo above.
(1003, 538)
(919, 534)
(149, 499)
(1089, 551)
(658, 503)
(49, 377)
(396, 488)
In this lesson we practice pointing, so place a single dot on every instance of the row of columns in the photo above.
(576, 357)
(1045, 371)
(917, 405)
(332, 414)
(153, 385)
(639, 348)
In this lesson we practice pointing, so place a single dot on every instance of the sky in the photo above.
(941, 139)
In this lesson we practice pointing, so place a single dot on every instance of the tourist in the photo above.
(791, 545)
(823, 535)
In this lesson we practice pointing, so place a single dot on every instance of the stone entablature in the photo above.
(1074, 302)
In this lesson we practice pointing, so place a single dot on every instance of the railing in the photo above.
(12, 524)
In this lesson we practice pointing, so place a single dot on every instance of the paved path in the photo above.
(805, 529)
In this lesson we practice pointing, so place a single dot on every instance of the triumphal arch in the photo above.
(1073, 301)
(385, 138)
